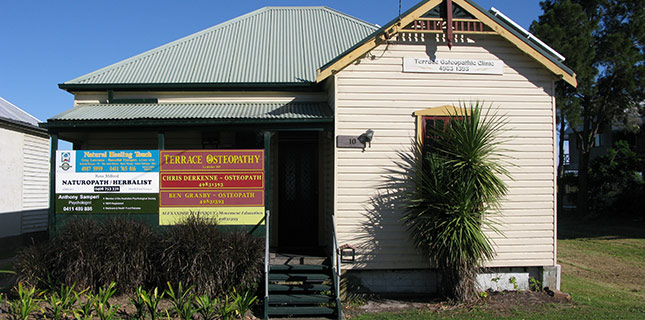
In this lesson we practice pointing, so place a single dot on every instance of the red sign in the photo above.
(211, 160)
(226, 186)
(206, 181)
(227, 198)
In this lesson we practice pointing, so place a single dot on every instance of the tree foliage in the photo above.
(449, 193)
(603, 42)
(616, 185)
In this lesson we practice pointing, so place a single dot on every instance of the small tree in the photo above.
(448, 193)
(604, 42)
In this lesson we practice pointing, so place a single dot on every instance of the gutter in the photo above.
(23, 127)
(167, 123)
(199, 86)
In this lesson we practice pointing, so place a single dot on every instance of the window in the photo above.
(434, 118)
(432, 124)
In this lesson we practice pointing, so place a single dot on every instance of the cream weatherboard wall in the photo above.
(374, 93)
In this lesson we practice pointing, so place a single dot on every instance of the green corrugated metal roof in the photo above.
(269, 45)
(183, 111)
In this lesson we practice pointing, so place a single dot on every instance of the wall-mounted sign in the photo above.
(349, 142)
(107, 181)
(211, 160)
(224, 186)
(465, 66)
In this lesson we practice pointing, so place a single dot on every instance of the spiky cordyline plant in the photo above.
(447, 193)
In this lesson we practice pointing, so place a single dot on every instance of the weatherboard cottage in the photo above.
(326, 101)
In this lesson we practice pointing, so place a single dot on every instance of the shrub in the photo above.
(127, 249)
(32, 266)
(197, 254)
(75, 254)
(131, 253)
(69, 258)
(448, 194)
(243, 259)
(92, 254)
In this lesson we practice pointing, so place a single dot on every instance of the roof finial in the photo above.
(449, 33)
(399, 12)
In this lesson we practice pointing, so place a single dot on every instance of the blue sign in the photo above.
(93, 161)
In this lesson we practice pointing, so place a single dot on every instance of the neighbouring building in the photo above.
(24, 167)
(331, 100)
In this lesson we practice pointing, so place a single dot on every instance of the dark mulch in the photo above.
(499, 303)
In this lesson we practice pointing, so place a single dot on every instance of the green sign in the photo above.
(107, 203)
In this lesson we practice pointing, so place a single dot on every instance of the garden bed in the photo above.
(501, 304)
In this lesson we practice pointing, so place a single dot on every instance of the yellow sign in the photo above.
(223, 216)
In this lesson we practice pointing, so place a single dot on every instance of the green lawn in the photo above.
(603, 268)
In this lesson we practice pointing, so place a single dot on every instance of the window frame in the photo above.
(445, 113)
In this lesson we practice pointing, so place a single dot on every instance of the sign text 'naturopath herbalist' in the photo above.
(224, 186)
(107, 181)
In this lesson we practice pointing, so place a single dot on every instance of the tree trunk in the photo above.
(459, 283)
(583, 184)
(586, 143)
(560, 180)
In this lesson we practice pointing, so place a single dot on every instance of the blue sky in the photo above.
(47, 42)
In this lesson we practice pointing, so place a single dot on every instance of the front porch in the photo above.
(298, 188)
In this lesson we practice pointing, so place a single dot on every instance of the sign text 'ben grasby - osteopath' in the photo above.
(464, 66)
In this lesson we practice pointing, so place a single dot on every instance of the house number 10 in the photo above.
(348, 142)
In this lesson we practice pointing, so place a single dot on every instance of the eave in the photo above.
(232, 86)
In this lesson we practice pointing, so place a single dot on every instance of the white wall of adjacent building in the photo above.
(374, 93)
(24, 191)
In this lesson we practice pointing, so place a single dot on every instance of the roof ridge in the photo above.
(351, 18)
(293, 7)
(112, 73)
(119, 104)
